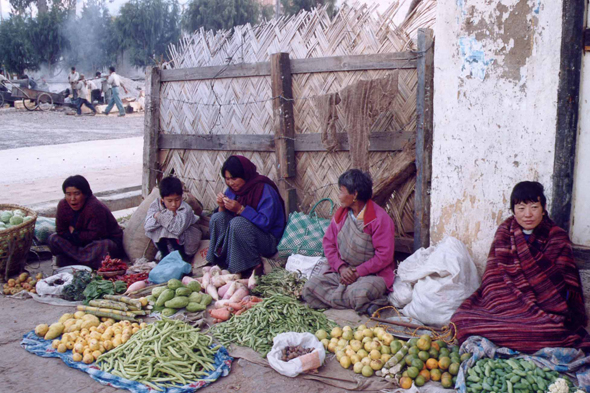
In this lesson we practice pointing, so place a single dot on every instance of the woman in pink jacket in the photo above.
(359, 246)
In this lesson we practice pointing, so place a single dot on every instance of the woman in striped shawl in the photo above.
(531, 296)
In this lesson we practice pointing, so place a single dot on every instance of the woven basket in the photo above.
(15, 243)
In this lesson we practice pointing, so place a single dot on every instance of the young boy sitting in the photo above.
(171, 223)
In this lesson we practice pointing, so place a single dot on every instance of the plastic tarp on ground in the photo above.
(570, 361)
(40, 347)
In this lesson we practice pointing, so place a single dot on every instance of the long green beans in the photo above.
(257, 327)
(280, 282)
(164, 354)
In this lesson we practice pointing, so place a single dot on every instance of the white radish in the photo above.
(188, 279)
(206, 279)
(206, 269)
(224, 272)
(218, 281)
(212, 291)
(232, 289)
(221, 303)
(223, 289)
(240, 293)
(252, 280)
(215, 271)
(136, 286)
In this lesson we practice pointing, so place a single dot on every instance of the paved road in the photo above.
(20, 128)
(38, 150)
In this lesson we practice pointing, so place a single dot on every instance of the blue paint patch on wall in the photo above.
(474, 59)
(461, 7)
(537, 8)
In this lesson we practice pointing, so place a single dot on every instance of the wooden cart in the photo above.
(37, 99)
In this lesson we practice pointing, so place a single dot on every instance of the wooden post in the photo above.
(151, 130)
(424, 127)
(284, 127)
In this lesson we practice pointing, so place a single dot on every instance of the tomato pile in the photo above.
(131, 278)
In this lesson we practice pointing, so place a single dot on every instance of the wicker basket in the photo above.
(15, 243)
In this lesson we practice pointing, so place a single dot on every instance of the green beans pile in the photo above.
(280, 282)
(164, 354)
(257, 327)
(509, 376)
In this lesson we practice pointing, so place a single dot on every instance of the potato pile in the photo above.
(293, 352)
(23, 282)
(86, 336)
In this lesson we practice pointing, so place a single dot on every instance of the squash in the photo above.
(168, 294)
(177, 302)
(41, 330)
(65, 317)
(55, 330)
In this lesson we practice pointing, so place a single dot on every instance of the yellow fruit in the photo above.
(326, 342)
(336, 333)
(387, 339)
(355, 359)
(405, 382)
(65, 317)
(435, 374)
(345, 361)
(423, 345)
(356, 345)
(375, 354)
(144, 301)
(79, 314)
(55, 344)
(367, 371)
(375, 346)
(347, 335)
(385, 357)
(331, 347)
(88, 358)
(129, 331)
(96, 354)
(431, 364)
(376, 364)
(362, 353)
(339, 355)
(386, 350)
(426, 337)
(444, 363)
(366, 340)
(79, 348)
(116, 342)
(350, 353)
(96, 335)
(108, 345)
(358, 367)
(77, 357)
(93, 345)
(101, 328)
(62, 348)
(367, 346)
(358, 335)
(321, 334)
(125, 323)
(361, 328)
(425, 374)
(368, 333)
(70, 345)
(446, 380)
(341, 343)
(366, 361)
(41, 330)
(142, 325)
(345, 328)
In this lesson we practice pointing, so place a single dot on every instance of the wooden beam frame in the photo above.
(379, 61)
(379, 141)
(284, 127)
(424, 128)
(151, 130)
(568, 97)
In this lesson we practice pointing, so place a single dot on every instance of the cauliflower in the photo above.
(559, 386)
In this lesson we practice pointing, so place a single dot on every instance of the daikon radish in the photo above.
(217, 281)
(252, 280)
(223, 289)
(136, 286)
(239, 295)
(221, 303)
(207, 269)
(188, 279)
(232, 289)
(224, 272)
(215, 271)
(243, 281)
(212, 291)
(206, 280)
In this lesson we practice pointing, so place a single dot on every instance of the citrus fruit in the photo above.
(387, 339)
(412, 342)
(395, 346)
(342, 342)
(334, 340)
(443, 353)
(425, 374)
(408, 359)
(441, 343)
(419, 364)
(362, 353)
(423, 355)
(375, 354)
(455, 349)
(433, 353)
(345, 328)
(423, 345)
(366, 361)
(358, 367)
(435, 345)
(444, 363)
(465, 356)
(405, 374)
(345, 361)
(385, 357)
(376, 364)
(368, 333)
(435, 374)
(446, 380)
(413, 351)
(367, 371)
(350, 352)
(366, 340)
(454, 368)
(361, 328)
(321, 334)
(375, 345)
(431, 364)
(356, 345)
(419, 381)
(339, 354)
(426, 337)
(347, 335)
(358, 335)
(332, 347)
(355, 359)
(412, 372)
(385, 350)
(336, 332)
(326, 342)
(405, 382)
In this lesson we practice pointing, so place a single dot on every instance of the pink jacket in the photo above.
(380, 226)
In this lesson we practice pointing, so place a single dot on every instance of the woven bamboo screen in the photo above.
(244, 106)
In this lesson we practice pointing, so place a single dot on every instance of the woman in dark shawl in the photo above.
(250, 219)
(531, 296)
(86, 229)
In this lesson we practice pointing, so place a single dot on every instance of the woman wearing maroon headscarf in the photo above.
(250, 220)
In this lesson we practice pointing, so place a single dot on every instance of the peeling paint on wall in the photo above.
(474, 58)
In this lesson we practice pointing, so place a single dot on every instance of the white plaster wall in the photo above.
(580, 230)
(495, 92)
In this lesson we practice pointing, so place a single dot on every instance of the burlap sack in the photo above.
(135, 242)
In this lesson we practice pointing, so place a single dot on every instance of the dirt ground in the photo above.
(22, 372)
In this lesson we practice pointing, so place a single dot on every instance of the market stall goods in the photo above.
(256, 327)
(23, 282)
(86, 336)
(175, 296)
(280, 282)
(167, 353)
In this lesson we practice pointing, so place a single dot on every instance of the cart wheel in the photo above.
(45, 101)
(30, 105)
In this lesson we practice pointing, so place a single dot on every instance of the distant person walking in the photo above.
(96, 89)
(115, 82)
(82, 88)
(73, 78)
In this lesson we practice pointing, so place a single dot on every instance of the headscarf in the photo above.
(251, 192)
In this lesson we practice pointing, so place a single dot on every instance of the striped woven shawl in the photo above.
(531, 296)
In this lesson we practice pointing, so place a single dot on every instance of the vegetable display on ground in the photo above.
(280, 282)
(23, 282)
(74, 291)
(167, 353)
(257, 327)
